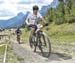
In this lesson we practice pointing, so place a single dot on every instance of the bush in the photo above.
(49, 20)
(71, 20)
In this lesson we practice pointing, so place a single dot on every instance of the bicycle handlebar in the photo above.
(46, 24)
(41, 26)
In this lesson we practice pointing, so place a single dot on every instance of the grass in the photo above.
(11, 56)
(2, 48)
(64, 32)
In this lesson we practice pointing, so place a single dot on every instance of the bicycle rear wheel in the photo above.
(45, 45)
(33, 41)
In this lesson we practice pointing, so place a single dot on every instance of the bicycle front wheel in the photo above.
(45, 45)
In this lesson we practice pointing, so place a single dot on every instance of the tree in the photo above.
(63, 12)
(69, 5)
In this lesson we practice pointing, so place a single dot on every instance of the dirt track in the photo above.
(25, 52)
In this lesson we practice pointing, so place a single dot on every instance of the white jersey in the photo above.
(32, 19)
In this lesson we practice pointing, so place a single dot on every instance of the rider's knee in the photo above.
(32, 30)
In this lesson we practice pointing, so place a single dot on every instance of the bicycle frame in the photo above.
(39, 27)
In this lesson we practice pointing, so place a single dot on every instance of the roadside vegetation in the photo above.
(11, 56)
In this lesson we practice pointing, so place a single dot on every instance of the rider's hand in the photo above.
(46, 24)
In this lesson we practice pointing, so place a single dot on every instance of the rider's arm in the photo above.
(27, 20)
(43, 20)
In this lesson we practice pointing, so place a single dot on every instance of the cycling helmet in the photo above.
(35, 7)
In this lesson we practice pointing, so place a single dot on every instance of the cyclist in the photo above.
(18, 33)
(32, 20)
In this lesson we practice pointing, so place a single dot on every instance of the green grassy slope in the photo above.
(64, 32)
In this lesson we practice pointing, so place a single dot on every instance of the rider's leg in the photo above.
(31, 34)
(32, 31)
(18, 38)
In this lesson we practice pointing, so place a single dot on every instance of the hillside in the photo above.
(57, 31)
(62, 37)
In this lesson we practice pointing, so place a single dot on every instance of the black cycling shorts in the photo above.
(33, 26)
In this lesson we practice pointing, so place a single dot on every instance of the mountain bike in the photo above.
(41, 40)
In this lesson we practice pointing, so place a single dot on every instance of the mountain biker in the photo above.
(32, 20)
(18, 33)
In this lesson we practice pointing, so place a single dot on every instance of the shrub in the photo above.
(71, 20)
